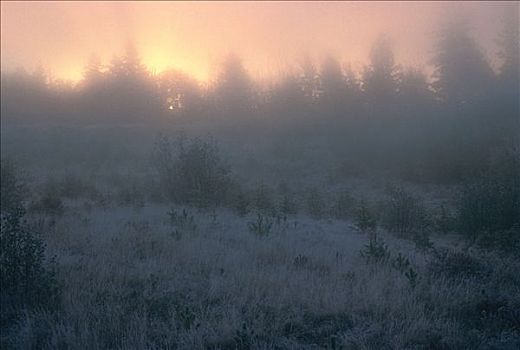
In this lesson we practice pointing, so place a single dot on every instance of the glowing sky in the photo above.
(194, 36)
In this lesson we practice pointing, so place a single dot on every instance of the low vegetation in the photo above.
(222, 266)
(192, 171)
(27, 279)
(318, 207)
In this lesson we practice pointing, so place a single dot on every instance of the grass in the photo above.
(271, 267)
(127, 282)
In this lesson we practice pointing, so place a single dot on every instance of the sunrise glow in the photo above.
(194, 36)
(260, 175)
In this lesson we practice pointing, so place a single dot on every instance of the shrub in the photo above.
(456, 264)
(301, 261)
(10, 188)
(344, 206)
(240, 203)
(489, 205)
(25, 279)
(412, 277)
(287, 204)
(422, 241)
(262, 226)
(50, 203)
(72, 186)
(192, 171)
(400, 263)
(263, 201)
(506, 241)
(445, 222)
(365, 219)
(314, 203)
(102, 199)
(403, 213)
(491, 312)
(130, 195)
(375, 251)
(488, 209)
(182, 220)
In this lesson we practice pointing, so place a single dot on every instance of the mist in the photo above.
(247, 175)
(194, 37)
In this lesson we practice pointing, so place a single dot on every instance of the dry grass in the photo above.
(132, 280)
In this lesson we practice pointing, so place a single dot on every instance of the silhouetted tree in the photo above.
(380, 78)
(234, 91)
(509, 40)
(26, 97)
(93, 72)
(415, 93)
(332, 82)
(178, 92)
(289, 101)
(353, 84)
(128, 65)
(463, 76)
(464, 83)
(289, 91)
(308, 78)
(130, 93)
(508, 91)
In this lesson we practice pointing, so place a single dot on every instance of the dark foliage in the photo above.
(488, 208)
(11, 189)
(404, 214)
(365, 219)
(192, 172)
(392, 120)
(456, 265)
(25, 276)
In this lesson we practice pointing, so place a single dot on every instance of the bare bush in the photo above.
(192, 171)
(403, 213)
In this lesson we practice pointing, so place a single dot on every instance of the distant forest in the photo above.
(388, 117)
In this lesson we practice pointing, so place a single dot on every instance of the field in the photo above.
(268, 175)
(290, 268)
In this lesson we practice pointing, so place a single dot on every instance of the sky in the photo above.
(196, 36)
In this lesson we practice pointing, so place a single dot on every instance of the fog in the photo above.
(194, 37)
(246, 175)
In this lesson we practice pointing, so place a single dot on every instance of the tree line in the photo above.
(443, 127)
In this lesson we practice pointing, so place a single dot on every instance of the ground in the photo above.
(140, 278)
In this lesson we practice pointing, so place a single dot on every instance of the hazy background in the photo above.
(194, 36)
(336, 176)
